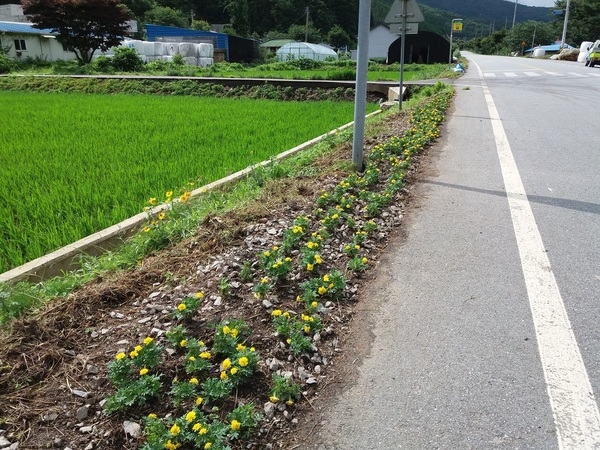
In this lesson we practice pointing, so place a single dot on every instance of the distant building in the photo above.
(425, 47)
(226, 47)
(24, 41)
(12, 13)
(295, 50)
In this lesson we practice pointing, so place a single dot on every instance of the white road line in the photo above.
(489, 75)
(575, 74)
(575, 410)
(510, 74)
(594, 74)
(532, 74)
(555, 74)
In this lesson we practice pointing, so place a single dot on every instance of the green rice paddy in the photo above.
(73, 164)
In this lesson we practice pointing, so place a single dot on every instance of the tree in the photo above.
(163, 15)
(238, 11)
(83, 25)
(583, 20)
(300, 32)
(138, 7)
(199, 24)
(337, 37)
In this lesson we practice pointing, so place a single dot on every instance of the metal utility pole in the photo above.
(362, 66)
(564, 34)
(515, 13)
(306, 27)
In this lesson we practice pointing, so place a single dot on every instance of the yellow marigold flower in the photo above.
(199, 401)
(309, 267)
(314, 304)
(264, 280)
(240, 347)
(234, 332)
(138, 348)
(175, 430)
(205, 355)
(207, 445)
(364, 260)
(233, 370)
(161, 216)
(147, 229)
(322, 290)
(276, 312)
(286, 315)
(143, 371)
(183, 343)
(235, 425)
(194, 380)
(288, 259)
(298, 298)
(288, 340)
(318, 259)
(226, 364)
(243, 361)
(326, 278)
(273, 399)
(152, 201)
(133, 354)
(223, 376)
(181, 307)
(120, 356)
(169, 194)
(275, 248)
(199, 295)
(267, 253)
(152, 416)
(306, 329)
(252, 349)
(170, 446)
(192, 358)
(305, 317)
(226, 329)
(148, 340)
(330, 285)
(191, 416)
(203, 431)
(196, 427)
(335, 216)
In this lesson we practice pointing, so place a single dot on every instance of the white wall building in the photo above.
(23, 41)
(380, 40)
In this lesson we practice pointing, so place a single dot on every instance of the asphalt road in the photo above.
(486, 334)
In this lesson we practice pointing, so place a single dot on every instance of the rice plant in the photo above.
(72, 164)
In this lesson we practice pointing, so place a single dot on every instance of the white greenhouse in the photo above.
(296, 50)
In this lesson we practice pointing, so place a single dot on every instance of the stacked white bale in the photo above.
(539, 53)
(205, 51)
(137, 45)
(205, 62)
(172, 49)
(153, 48)
(187, 49)
(191, 60)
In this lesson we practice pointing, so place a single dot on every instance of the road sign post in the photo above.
(457, 26)
(404, 10)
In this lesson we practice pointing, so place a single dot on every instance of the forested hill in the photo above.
(481, 10)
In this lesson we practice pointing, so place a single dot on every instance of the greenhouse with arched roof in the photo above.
(297, 50)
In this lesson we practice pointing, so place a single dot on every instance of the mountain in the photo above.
(480, 17)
